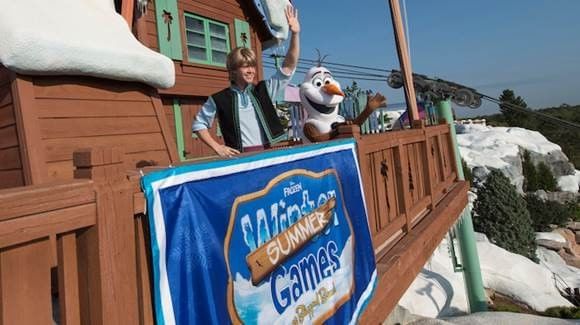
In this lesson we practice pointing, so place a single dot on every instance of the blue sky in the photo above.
(530, 46)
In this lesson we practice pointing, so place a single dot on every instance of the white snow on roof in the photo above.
(77, 37)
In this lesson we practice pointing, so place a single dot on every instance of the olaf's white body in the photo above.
(320, 95)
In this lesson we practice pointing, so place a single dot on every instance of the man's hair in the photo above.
(239, 57)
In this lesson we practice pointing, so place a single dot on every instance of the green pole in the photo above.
(466, 234)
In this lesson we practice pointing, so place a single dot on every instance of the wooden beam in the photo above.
(29, 134)
(127, 9)
(404, 60)
(165, 131)
(107, 253)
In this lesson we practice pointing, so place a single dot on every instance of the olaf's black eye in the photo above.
(317, 82)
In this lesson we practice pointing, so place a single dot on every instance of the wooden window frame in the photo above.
(207, 38)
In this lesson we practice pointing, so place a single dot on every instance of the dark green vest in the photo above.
(228, 115)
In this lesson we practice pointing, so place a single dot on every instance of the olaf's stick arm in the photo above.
(377, 101)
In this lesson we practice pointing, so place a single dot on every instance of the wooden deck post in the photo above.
(404, 60)
(107, 261)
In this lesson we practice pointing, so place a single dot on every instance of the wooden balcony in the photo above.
(90, 233)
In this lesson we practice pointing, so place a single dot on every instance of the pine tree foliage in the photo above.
(537, 177)
(530, 174)
(512, 117)
(468, 175)
(501, 214)
(546, 179)
(546, 213)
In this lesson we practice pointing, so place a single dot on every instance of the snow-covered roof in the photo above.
(77, 37)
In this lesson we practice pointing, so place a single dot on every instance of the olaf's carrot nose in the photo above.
(332, 89)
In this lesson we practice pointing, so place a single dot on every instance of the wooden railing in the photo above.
(68, 251)
(40, 228)
(405, 174)
(91, 234)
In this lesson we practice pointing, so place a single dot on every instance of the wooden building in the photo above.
(198, 39)
(43, 119)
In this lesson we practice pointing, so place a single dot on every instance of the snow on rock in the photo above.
(556, 264)
(503, 318)
(74, 37)
(438, 291)
(553, 236)
(518, 277)
(570, 183)
(485, 147)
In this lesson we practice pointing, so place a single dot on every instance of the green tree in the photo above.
(501, 214)
(546, 179)
(530, 174)
(546, 213)
(512, 116)
(467, 172)
(353, 90)
(574, 209)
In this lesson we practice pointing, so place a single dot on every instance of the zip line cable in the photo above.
(343, 70)
(543, 116)
(346, 75)
(333, 64)
(351, 73)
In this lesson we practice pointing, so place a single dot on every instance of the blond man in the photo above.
(247, 117)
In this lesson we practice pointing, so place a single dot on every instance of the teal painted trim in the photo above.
(207, 40)
(148, 189)
(361, 102)
(179, 129)
(168, 37)
(457, 267)
(465, 232)
(382, 117)
(243, 36)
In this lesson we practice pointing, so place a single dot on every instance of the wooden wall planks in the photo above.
(85, 112)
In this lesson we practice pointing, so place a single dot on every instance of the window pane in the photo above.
(217, 30)
(196, 53)
(194, 24)
(196, 39)
(219, 44)
(218, 57)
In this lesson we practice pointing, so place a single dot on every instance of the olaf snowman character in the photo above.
(320, 95)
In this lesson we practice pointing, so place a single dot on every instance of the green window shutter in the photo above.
(179, 129)
(243, 36)
(168, 31)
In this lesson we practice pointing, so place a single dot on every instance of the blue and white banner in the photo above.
(279, 237)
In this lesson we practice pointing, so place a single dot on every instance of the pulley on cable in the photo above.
(437, 89)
